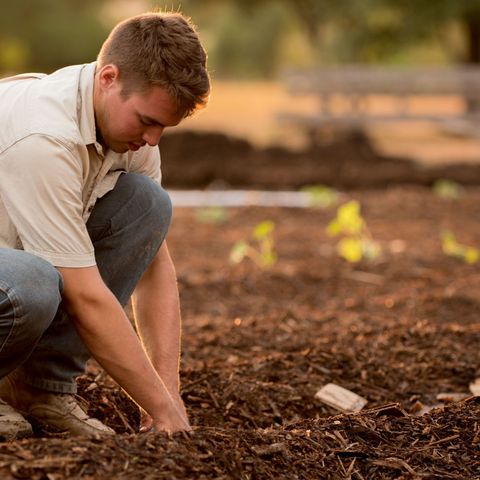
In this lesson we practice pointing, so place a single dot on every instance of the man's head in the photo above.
(159, 49)
(151, 70)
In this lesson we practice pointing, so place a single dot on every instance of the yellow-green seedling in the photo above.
(321, 196)
(451, 247)
(447, 189)
(356, 242)
(214, 215)
(260, 249)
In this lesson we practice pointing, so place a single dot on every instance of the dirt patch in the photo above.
(198, 160)
(258, 344)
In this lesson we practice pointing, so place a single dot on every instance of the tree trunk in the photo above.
(472, 23)
(472, 26)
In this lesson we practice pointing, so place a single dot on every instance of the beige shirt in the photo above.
(52, 170)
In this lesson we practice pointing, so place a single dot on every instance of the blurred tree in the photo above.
(377, 30)
(247, 42)
(393, 24)
(254, 38)
(44, 35)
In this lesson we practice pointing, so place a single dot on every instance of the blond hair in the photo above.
(159, 49)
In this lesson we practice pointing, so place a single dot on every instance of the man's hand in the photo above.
(164, 424)
(147, 423)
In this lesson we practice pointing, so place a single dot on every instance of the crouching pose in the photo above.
(83, 221)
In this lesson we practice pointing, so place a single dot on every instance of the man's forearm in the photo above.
(112, 341)
(157, 315)
(107, 333)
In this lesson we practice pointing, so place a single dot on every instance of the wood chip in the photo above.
(340, 398)
(424, 409)
(452, 397)
(388, 410)
(393, 462)
(270, 449)
(365, 277)
(475, 387)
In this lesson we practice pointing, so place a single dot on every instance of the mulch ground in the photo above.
(259, 343)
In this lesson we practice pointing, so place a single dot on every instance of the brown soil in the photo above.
(348, 160)
(258, 344)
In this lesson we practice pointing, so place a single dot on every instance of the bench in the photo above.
(356, 85)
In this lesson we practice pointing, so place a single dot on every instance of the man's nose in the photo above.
(152, 136)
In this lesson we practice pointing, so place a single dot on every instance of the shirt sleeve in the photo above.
(41, 187)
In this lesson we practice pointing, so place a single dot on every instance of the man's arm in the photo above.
(157, 315)
(111, 339)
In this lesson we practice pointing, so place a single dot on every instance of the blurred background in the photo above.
(251, 43)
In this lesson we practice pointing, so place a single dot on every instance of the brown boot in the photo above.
(12, 424)
(57, 411)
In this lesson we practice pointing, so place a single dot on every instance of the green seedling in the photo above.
(447, 189)
(321, 196)
(260, 249)
(356, 242)
(214, 215)
(451, 247)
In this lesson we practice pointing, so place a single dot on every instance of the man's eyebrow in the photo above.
(148, 119)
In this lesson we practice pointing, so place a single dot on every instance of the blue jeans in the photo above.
(37, 338)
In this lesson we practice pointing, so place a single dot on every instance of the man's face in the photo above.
(130, 123)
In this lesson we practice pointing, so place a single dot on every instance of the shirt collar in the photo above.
(85, 104)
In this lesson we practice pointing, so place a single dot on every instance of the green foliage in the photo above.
(263, 230)
(43, 35)
(356, 242)
(348, 220)
(321, 196)
(252, 38)
(247, 45)
(447, 189)
(345, 31)
(451, 247)
(13, 54)
(378, 30)
(215, 215)
(260, 249)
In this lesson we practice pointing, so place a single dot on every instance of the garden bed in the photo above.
(259, 343)
(347, 160)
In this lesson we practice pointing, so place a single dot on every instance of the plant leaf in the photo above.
(350, 249)
(348, 216)
(334, 228)
(238, 252)
(447, 189)
(321, 196)
(263, 229)
(471, 255)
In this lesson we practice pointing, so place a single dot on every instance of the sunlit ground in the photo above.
(249, 110)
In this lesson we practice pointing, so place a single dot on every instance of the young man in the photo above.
(82, 225)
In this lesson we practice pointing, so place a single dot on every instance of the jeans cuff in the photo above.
(51, 385)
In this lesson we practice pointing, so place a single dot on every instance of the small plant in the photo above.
(451, 247)
(261, 249)
(321, 196)
(215, 215)
(447, 189)
(356, 242)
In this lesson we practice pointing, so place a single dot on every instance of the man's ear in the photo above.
(108, 76)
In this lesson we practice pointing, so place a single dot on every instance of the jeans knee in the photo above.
(152, 202)
(161, 209)
(30, 294)
(36, 294)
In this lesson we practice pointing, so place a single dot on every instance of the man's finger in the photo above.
(146, 424)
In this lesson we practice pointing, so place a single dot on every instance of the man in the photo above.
(82, 225)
